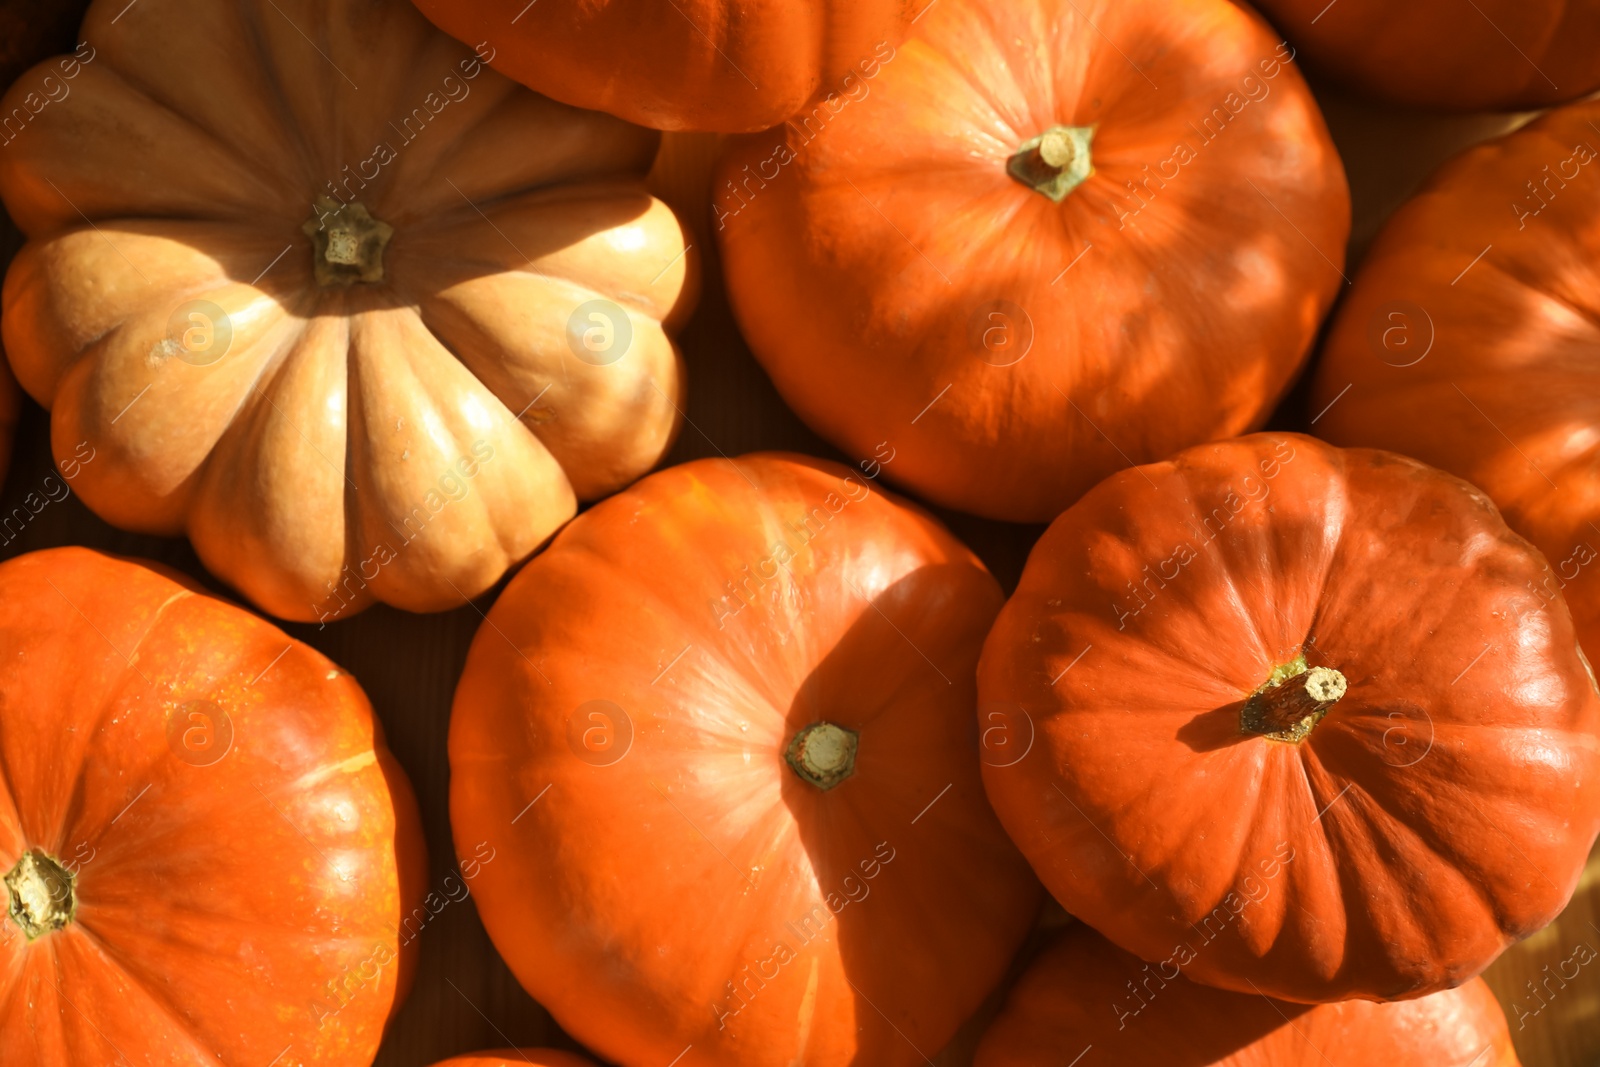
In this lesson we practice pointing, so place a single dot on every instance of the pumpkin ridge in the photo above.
(1421, 831)
(109, 956)
(249, 168)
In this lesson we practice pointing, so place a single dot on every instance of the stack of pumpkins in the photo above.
(754, 763)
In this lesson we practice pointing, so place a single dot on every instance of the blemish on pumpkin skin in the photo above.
(162, 351)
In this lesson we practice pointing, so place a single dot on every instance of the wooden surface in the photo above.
(465, 998)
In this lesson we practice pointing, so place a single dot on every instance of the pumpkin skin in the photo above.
(910, 298)
(242, 844)
(405, 439)
(855, 924)
(1506, 55)
(1467, 342)
(1083, 990)
(528, 1057)
(1441, 808)
(731, 66)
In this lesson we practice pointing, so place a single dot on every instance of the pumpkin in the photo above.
(719, 735)
(1500, 55)
(531, 1057)
(1011, 264)
(360, 345)
(1468, 341)
(1294, 719)
(207, 851)
(1085, 997)
(725, 65)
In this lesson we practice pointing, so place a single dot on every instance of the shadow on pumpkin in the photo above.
(921, 892)
(1214, 729)
(1084, 991)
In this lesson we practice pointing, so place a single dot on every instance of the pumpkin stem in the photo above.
(347, 242)
(823, 754)
(1293, 700)
(1055, 162)
(42, 894)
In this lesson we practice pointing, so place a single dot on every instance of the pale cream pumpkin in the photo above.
(359, 315)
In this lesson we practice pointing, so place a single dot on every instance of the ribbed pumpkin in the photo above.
(1498, 55)
(361, 317)
(1086, 998)
(727, 65)
(719, 735)
(1296, 719)
(1470, 340)
(1048, 239)
(209, 856)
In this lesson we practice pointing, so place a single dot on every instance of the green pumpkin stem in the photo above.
(1055, 162)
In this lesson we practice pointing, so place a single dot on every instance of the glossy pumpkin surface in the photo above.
(725, 65)
(207, 850)
(1296, 717)
(1086, 997)
(1469, 340)
(720, 737)
(1499, 55)
(908, 292)
(360, 316)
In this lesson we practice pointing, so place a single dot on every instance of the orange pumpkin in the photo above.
(360, 344)
(1498, 55)
(206, 848)
(1470, 341)
(527, 1057)
(1086, 998)
(729, 65)
(1048, 239)
(1296, 720)
(719, 735)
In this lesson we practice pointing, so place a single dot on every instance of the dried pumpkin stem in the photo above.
(823, 754)
(347, 242)
(43, 896)
(1055, 162)
(1293, 701)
